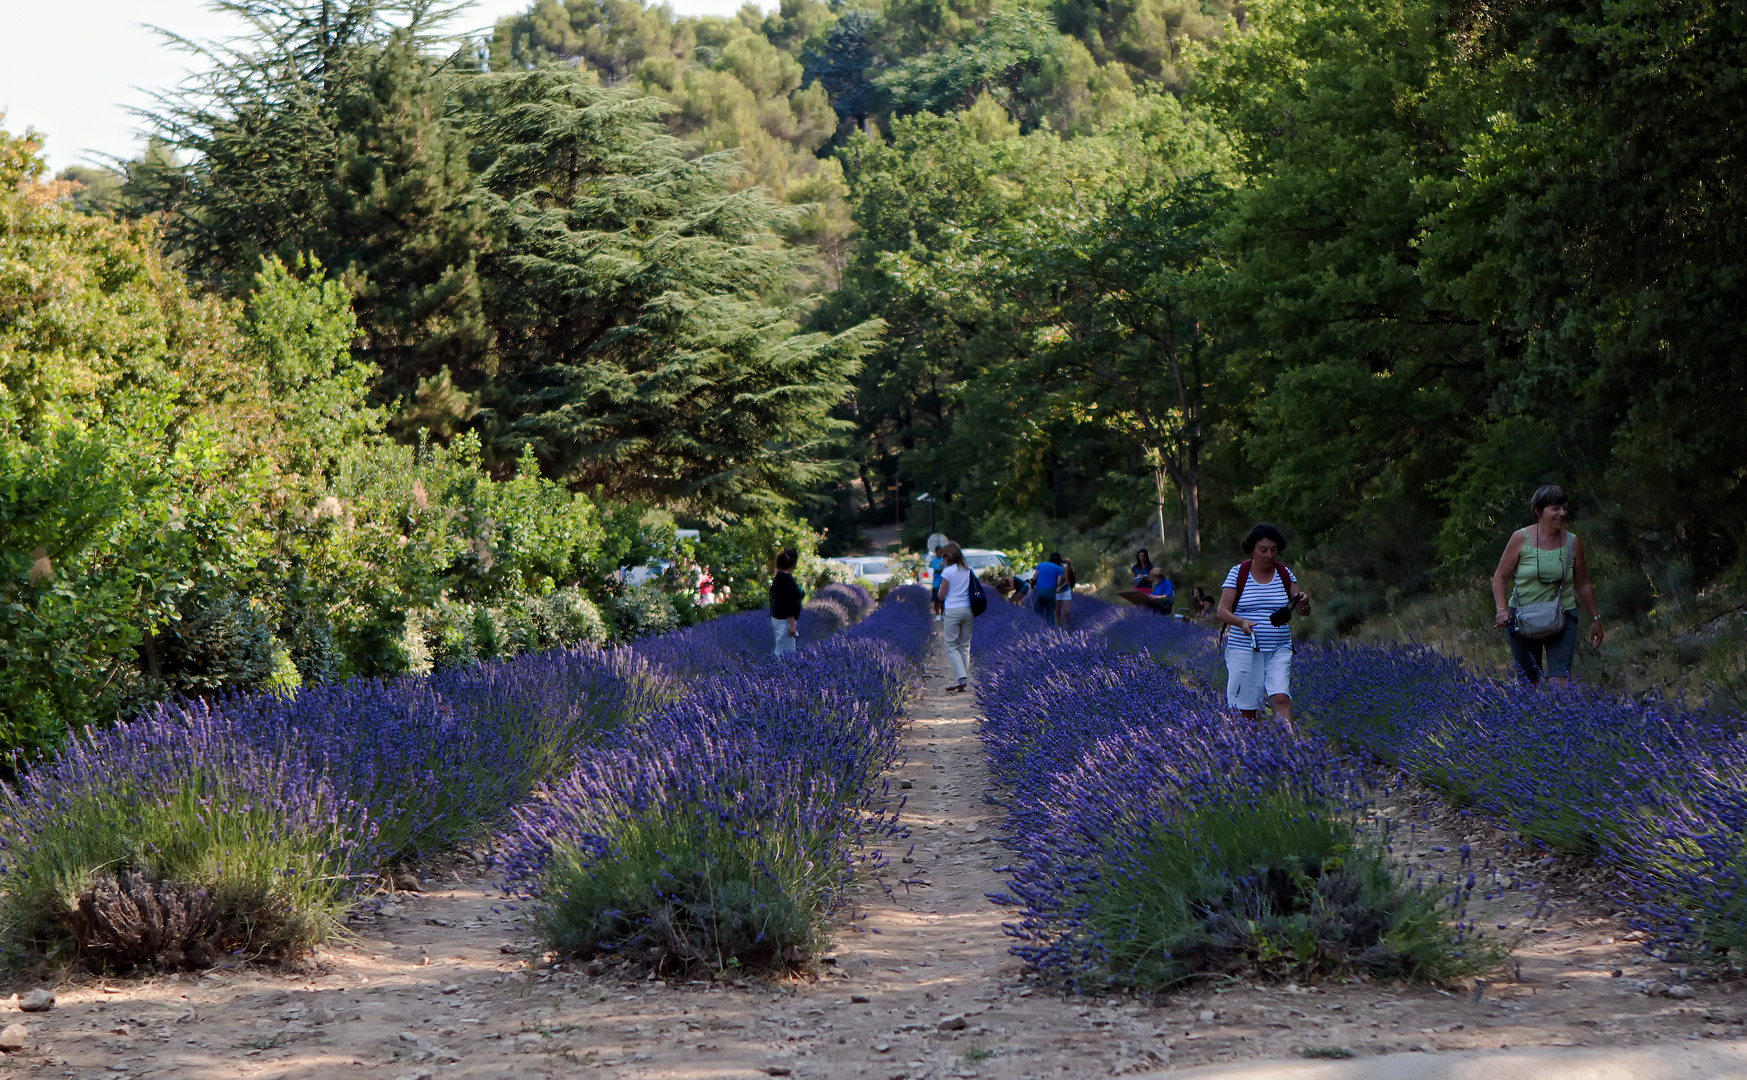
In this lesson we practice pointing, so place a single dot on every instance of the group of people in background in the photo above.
(1162, 591)
(1544, 568)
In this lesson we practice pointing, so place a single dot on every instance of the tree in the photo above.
(636, 356)
(1369, 377)
(326, 134)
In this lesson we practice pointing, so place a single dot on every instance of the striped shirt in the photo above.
(1257, 603)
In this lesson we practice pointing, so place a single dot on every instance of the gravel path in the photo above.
(921, 986)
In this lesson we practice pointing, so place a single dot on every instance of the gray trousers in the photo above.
(955, 629)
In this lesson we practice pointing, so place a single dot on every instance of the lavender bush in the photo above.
(260, 851)
(1654, 791)
(249, 823)
(1159, 840)
(731, 642)
(716, 833)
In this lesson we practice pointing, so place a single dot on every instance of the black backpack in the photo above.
(979, 601)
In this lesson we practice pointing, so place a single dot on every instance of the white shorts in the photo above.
(1251, 675)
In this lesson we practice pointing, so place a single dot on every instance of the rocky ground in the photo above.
(442, 985)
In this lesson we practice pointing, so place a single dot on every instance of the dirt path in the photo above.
(921, 986)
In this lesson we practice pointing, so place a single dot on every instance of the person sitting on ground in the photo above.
(1140, 574)
(1203, 603)
(1163, 592)
(785, 605)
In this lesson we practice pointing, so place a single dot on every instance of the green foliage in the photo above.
(742, 555)
(1276, 888)
(254, 884)
(127, 456)
(527, 252)
(641, 612)
(703, 896)
(636, 355)
(324, 130)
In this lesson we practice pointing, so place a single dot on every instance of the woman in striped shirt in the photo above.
(1258, 654)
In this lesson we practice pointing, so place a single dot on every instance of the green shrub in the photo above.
(642, 612)
(1275, 889)
(220, 640)
(517, 631)
(565, 618)
(200, 872)
(681, 899)
(451, 635)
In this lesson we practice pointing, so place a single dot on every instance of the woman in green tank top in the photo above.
(1543, 563)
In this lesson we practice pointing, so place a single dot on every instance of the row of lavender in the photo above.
(1158, 840)
(714, 835)
(1656, 792)
(252, 823)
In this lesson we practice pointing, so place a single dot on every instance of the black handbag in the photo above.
(979, 600)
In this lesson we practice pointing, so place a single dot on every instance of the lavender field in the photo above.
(1157, 839)
(686, 798)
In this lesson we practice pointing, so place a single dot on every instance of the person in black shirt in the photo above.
(785, 605)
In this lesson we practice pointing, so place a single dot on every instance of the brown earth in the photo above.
(441, 986)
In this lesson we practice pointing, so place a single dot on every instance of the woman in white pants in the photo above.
(1258, 650)
(954, 598)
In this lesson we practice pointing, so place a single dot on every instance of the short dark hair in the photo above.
(1055, 557)
(786, 559)
(1548, 495)
(1263, 531)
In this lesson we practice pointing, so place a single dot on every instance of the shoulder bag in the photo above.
(979, 601)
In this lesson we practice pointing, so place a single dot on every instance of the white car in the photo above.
(983, 560)
(875, 568)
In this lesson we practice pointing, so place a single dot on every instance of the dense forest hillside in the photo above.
(421, 321)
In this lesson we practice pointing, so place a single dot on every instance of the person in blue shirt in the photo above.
(1044, 581)
(1163, 593)
(1142, 570)
(935, 565)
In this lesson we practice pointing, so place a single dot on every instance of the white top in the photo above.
(955, 587)
(1256, 604)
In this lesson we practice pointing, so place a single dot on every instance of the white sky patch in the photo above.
(72, 68)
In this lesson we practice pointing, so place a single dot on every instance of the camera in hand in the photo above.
(1282, 616)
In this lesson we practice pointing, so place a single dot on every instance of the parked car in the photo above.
(875, 568)
(985, 561)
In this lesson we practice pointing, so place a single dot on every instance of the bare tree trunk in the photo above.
(1159, 494)
(1192, 509)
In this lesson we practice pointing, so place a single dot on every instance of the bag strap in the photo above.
(1243, 576)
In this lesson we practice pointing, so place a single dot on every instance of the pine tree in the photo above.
(635, 353)
(327, 134)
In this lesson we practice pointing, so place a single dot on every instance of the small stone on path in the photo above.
(12, 1038)
(37, 1001)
